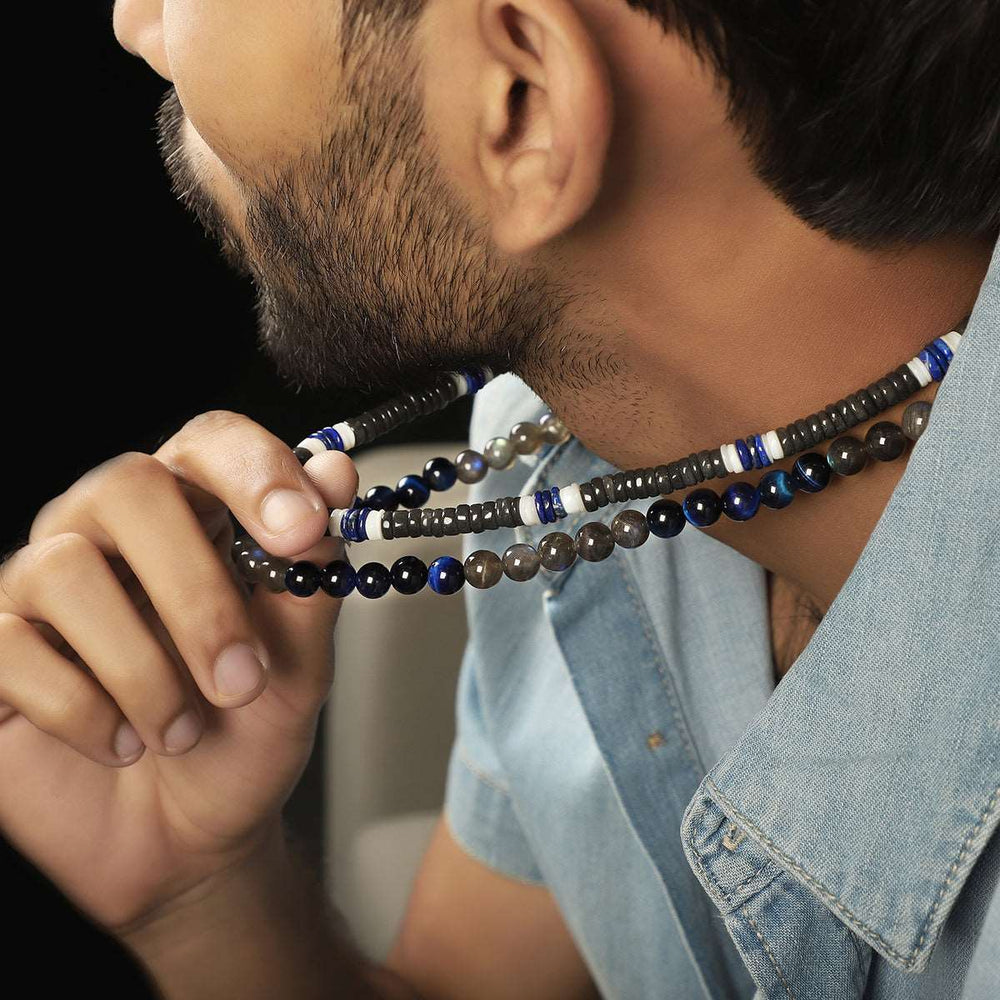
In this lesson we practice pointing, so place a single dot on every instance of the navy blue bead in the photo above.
(933, 363)
(446, 575)
(381, 498)
(558, 510)
(543, 504)
(413, 491)
(744, 453)
(811, 473)
(302, 578)
(941, 344)
(702, 507)
(373, 580)
(777, 489)
(337, 578)
(665, 518)
(763, 459)
(440, 474)
(740, 501)
(943, 360)
(409, 574)
(336, 441)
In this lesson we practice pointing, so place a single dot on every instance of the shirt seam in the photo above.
(767, 949)
(478, 773)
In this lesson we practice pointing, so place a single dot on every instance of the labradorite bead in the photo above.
(373, 580)
(445, 575)
(665, 518)
(408, 574)
(915, 418)
(440, 474)
(554, 431)
(776, 488)
(594, 541)
(381, 498)
(521, 562)
(412, 491)
(525, 437)
(271, 573)
(811, 473)
(302, 578)
(629, 529)
(556, 551)
(337, 578)
(483, 569)
(470, 466)
(249, 560)
(499, 453)
(846, 456)
(885, 441)
(740, 501)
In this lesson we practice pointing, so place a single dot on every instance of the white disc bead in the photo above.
(773, 446)
(920, 371)
(346, 435)
(373, 525)
(952, 339)
(335, 516)
(528, 510)
(572, 499)
(460, 384)
(731, 458)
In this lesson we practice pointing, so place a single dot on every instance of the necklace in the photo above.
(378, 516)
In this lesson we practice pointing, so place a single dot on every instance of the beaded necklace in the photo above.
(377, 515)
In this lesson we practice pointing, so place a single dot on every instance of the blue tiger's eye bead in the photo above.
(302, 578)
(409, 574)
(381, 498)
(740, 501)
(702, 507)
(811, 473)
(665, 518)
(776, 488)
(373, 580)
(337, 578)
(440, 474)
(413, 491)
(446, 575)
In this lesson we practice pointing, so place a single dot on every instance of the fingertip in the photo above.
(335, 476)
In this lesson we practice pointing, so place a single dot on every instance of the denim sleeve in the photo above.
(478, 805)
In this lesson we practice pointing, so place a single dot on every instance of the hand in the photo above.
(122, 615)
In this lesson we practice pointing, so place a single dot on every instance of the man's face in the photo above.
(295, 132)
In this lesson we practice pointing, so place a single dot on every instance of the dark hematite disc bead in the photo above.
(408, 575)
(490, 522)
(609, 487)
(915, 418)
(662, 476)
(302, 454)
(413, 491)
(811, 473)
(836, 419)
(695, 462)
(445, 575)
(449, 521)
(665, 518)
(785, 440)
(520, 562)
(589, 497)
(483, 569)
(302, 578)
(858, 408)
(440, 474)
(846, 455)
(597, 485)
(885, 441)
(415, 522)
(898, 385)
(847, 417)
(373, 580)
(706, 465)
(815, 428)
(776, 488)
(702, 507)
(556, 551)
(271, 573)
(740, 501)
(621, 487)
(826, 426)
(877, 392)
(807, 436)
(909, 380)
(437, 522)
(868, 402)
(462, 519)
(381, 498)
(676, 476)
(594, 541)
(337, 578)
(689, 472)
(427, 522)
(629, 529)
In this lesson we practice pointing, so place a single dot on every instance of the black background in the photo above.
(122, 322)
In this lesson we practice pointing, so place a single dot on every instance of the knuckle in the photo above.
(212, 422)
(76, 705)
(62, 560)
(13, 629)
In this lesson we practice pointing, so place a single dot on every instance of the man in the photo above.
(673, 224)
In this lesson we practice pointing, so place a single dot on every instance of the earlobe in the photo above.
(546, 119)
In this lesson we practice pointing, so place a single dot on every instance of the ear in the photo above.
(545, 120)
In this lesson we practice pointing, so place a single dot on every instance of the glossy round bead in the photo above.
(445, 575)
(440, 474)
(373, 580)
(249, 560)
(521, 562)
(413, 491)
(665, 518)
(338, 578)
(471, 467)
(915, 418)
(811, 473)
(702, 507)
(271, 573)
(408, 574)
(885, 441)
(594, 541)
(483, 569)
(302, 578)
(554, 431)
(525, 437)
(629, 529)
(846, 456)
(740, 501)
(381, 498)
(499, 453)
(556, 551)
(777, 489)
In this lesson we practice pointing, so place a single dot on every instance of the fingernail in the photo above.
(237, 670)
(127, 742)
(281, 510)
(183, 732)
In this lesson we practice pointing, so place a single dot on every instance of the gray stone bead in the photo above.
(594, 541)
(846, 456)
(556, 551)
(470, 466)
(554, 431)
(499, 453)
(270, 573)
(915, 418)
(483, 569)
(629, 529)
(526, 437)
(521, 562)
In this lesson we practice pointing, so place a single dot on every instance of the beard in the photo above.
(370, 274)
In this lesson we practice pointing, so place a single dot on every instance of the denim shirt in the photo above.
(620, 739)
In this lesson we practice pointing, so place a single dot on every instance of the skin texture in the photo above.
(550, 186)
